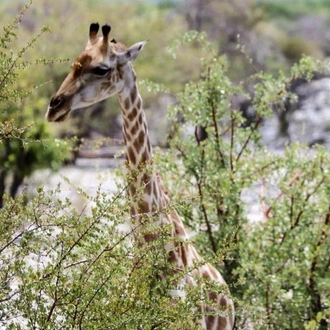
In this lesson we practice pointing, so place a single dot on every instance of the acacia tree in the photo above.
(22, 128)
(277, 269)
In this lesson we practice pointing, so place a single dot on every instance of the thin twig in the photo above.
(248, 139)
(294, 178)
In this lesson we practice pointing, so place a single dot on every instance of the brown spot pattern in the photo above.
(148, 189)
(120, 70)
(206, 274)
(141, 137)
(143, 207)
(183, 254)
(106, 84)
(133, 94)
(213, 296)
(150, 237)
(145, 157)
(134, 129)
(131, 155)
(140, 119)
(145, 179)
(222, 322)
(133, 113)
(127, 103)
(223, 301)
(132, 190)
(172, 257)
(210, 320)
(81, 64)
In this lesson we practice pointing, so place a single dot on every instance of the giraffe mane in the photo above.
(117, 47)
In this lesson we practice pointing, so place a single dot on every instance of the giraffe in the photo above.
(103, 70)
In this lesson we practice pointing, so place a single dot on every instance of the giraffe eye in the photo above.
(99, 71)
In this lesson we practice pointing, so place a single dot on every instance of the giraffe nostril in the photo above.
(56, 101)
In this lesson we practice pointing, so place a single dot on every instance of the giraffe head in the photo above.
(96, 74)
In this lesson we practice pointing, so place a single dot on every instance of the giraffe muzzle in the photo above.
(57, 111)
(56, 102)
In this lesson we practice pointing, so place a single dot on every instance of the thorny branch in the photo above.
(199, 180)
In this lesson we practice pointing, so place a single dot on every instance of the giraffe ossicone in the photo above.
(103, 70)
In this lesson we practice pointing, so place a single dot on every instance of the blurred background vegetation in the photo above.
(254, 35)
(270, 34)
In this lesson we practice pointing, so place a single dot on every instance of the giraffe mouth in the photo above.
(62, 117)
(54, 117)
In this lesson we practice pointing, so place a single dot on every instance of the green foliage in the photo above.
(291, 10)
(278, 268)
(285, 259)
(21, 134)
(79, 271)
(286, 25)
(294, 47)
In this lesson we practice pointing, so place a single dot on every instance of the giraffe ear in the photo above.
(132, 53)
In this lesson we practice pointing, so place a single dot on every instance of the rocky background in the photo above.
(272, 35)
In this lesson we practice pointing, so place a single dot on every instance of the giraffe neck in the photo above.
(144, 188)
(135, 128)
(149, 196)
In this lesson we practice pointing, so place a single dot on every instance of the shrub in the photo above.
(22, 128)
(277, 268)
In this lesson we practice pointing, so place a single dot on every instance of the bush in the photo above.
(275, 268)
(22, 128)
(78, 271)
